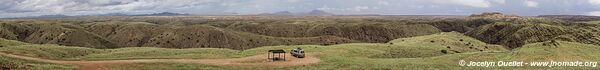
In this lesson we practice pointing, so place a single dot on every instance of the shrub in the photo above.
(456, 51)
(444, 51)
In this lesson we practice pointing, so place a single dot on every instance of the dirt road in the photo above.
(251, 61)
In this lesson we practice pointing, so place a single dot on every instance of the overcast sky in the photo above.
(20, 8)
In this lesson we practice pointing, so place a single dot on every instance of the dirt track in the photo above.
(251, 61)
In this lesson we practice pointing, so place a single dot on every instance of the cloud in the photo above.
(597, 2)
(499, 1)
(293, 0)
(355, 8)
(101, 6)
(471, 3)
(531, 3)
(360, 8)
(19, 8)
(383, 3)
(594, 13)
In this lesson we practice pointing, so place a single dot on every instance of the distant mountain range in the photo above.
(48, 16)
(152, 14)
(280, 13)
(311, 13)
(572, 17)
(111, 14)
(164, 14)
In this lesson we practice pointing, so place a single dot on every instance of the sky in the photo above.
(22, 8)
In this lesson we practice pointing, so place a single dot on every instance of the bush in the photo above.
(444, 51)
(456, 51)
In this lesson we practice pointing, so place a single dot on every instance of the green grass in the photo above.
(19, 64)
(401, 48)
(355, 56)
(404, 53)
(170, 66)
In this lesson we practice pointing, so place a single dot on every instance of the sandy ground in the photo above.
(251, 61)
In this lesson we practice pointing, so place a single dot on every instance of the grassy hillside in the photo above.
(588, 33)
(116, 34)
(364, 31)
(404, 53)
(447, 41)
(340, 42)
(533, 30)
(236, 34)
(246, 32)
(7, 63)
(356, 56)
